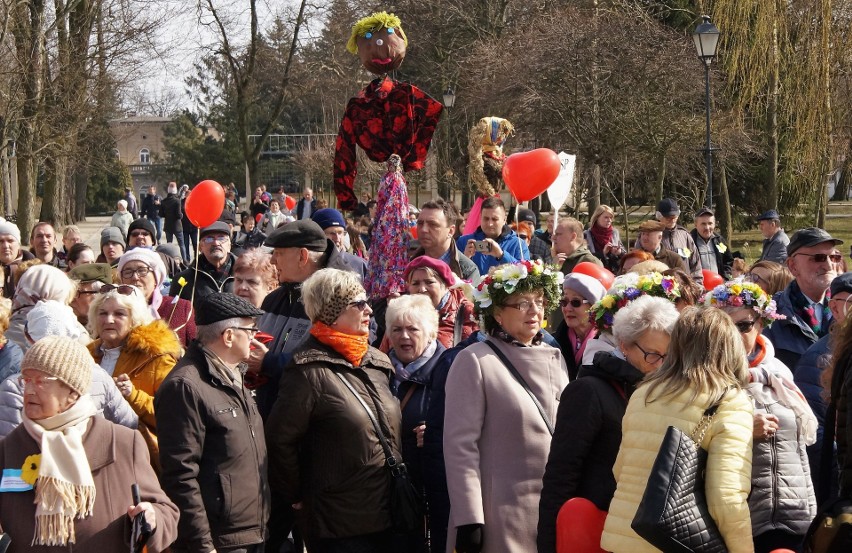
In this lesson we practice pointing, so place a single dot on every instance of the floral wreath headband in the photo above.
(739, 293)
(522, 276)
(627, 288)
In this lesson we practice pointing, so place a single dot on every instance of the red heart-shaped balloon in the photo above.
(528, 174)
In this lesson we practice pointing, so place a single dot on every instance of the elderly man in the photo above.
(212, 447)
(11, 254)
(141, 234)
(811, 258)
(715, 255)
(808, 373)
(651, 240)
(677, 239)
(89, 278)
(306, 206)
(569, 246)
(43, 244)
(333, 225)
(775, 240)
(215, 266)
(493, 243)
(436, 225)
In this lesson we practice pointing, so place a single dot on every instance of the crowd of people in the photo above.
(240, 375)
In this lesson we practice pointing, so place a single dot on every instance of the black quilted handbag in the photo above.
(673, 514)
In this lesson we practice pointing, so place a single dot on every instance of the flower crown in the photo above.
(739, 293)
(627, 288)
(505, 280)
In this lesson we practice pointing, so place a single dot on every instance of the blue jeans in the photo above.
(179, 236)
(190, 238)
(158, 224)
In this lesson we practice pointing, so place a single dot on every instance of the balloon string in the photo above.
(192, 296)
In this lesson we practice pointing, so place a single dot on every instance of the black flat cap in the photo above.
(298, 234)
(222, 305)
(841, 283)
(810, 236)
(668, 207)
(90, 272)
(217, 226)
(770, 215)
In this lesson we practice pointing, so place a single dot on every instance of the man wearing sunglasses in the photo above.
(811, 257)
(215, 266)
(808, 373)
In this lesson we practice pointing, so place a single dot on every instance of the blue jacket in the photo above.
(10, 360)
(791, 337)
(514, 249)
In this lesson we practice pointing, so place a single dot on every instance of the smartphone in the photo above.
(482, 245)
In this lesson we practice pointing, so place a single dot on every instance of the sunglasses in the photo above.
(123, 289)
(823, 257)
(575, 303)
(360, 305)
(745, 326)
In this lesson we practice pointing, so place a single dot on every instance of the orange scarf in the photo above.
(760, 354)
(351, 346)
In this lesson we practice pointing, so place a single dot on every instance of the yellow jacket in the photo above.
(728, 443)
(149, 354)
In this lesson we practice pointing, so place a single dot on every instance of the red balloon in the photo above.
(782, 551)
(595, 271)
(712, 279)
(289, 201)
(579, 527)
(205, 203)
(528, 174)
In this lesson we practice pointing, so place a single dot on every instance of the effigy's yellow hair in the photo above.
(374, 23)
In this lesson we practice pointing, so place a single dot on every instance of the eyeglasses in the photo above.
(215, 239)
(651, 357)
(38, 381)
(250, 330)
(745, 326)
(823, 257)
(360, 305)
(575, 303)
(141, 272)
(123, 289)
(138, 233)
(755, 278)
(527, 305)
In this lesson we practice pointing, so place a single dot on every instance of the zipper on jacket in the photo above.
(773, 456)
(232, 410)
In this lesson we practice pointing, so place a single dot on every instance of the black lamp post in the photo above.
(706, 37)
(449, 102)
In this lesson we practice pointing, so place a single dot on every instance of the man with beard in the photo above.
(215, 266)
(811, 258)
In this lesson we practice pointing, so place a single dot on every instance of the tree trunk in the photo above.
(595, 192)
(772, 121)
(723, 213)
(26, 193)
(54, 207)
(661, 177)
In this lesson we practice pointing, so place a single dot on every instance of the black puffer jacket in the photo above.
(209, 280)
(586, 441)
(323, 450)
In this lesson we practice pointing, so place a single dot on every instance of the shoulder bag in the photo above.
(406, 505)
(673, 514)
(523, 383)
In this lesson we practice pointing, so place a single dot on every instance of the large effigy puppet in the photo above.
(393, 122)
(485, 149)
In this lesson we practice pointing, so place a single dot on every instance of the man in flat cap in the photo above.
(212, 447)
(677, 239)
(89, 278)
(775, 240)
(811, 257)
(215, 265)
(651, 240)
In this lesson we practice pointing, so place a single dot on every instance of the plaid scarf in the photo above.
(803, 309)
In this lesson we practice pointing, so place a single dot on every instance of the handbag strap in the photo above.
(407, 396)
(390, 460)
(524, 384)
(703, 425)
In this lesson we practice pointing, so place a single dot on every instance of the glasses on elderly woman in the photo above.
(526, 305)
(141, 272)
(651, 357)
(360, 305)
(123, 289)
(39, 382)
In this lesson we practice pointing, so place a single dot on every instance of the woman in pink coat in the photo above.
(496, 440)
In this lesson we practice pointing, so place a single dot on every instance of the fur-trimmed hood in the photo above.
(155, 338)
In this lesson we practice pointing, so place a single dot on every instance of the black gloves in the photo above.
(469, 538)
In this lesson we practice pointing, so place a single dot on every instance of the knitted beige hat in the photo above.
(62, 357)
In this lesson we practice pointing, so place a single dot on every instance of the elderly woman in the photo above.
(273, 218)
(122, 218)
(501, 400)
(144, 269)
(130, 345)
(588, 422)
(325, 457)
(37, 283)
(80, 464)
(782, 499)
(80, 254)
(433, 278)
(412, 326)
(579, 293)
(603, 238)
(705, 366)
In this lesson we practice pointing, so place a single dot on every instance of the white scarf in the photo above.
(65, 489)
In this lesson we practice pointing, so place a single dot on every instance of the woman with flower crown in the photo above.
(501, 401)
(782, 500)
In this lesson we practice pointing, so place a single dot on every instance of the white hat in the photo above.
(148, 257)
(10, 228)
(51, 318)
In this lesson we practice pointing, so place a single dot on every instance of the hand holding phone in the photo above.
(483, 246)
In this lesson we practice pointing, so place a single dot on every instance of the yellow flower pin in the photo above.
(721, 247)
(29, 471)
(182, 281)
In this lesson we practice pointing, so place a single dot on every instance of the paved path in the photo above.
(90, 229)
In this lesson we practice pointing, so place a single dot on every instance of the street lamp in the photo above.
(449, 102)
(706, 38)
(449, 98)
